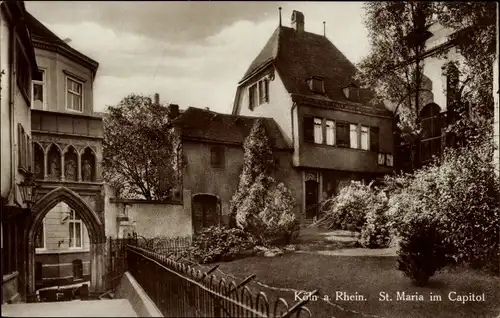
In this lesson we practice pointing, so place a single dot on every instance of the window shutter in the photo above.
(308, 129)
(261, 92)
(342, 134)
(266, 90)
(374, 135)
(25, 150)
(29, 148)
(19, 145)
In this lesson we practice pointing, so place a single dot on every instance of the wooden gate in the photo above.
(205, 212)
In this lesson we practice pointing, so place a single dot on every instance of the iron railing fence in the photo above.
(163, 245)
(179, 290)
(117, 262)
(116, 247)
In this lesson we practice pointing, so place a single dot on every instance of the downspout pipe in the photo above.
(294, 105)
(12, 194)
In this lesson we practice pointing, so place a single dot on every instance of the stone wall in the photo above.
(149, 218)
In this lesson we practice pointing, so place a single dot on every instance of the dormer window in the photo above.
(316, 85)
(258, 93)
(351, 92)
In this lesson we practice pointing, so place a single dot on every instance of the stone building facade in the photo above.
(67, 154)
(17, 69)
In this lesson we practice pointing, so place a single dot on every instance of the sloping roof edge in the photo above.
(16, 11)
(50, 41)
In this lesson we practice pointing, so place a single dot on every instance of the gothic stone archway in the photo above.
(92, 221)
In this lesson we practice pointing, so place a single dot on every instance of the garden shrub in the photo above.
(422, 252)
(247, 216)
(453, 207)
(360, 208)
(278, 217)
(218, 243)
(376, 232)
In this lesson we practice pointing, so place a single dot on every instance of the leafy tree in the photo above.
(394, 68)
(140, 149)
(257, 160)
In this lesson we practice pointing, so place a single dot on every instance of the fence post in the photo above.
(110, 265)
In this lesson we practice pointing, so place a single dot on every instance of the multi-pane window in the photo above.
(389, 160)
(330, 132)
(318, 131)
(353, 140)
(341, 134)
(431, 132)
(365, 138)
(385, 159)
(39, 96)
(74, 97)
(217, 157)
(258, 93)
(75, 230)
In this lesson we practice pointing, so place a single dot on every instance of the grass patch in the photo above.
(367, 276)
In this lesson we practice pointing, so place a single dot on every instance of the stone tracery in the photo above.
(73, 164)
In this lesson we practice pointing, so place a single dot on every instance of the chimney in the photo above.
(173, 110)
(298, 21)
(157, 99)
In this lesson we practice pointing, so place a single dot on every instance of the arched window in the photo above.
(431, 121)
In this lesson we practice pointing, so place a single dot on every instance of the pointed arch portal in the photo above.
(94, 225)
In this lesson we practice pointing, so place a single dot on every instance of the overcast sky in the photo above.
(191, 53)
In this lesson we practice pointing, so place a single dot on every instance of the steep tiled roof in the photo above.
(40, 33)
(298, 56)
(206, 125)
(266, 55)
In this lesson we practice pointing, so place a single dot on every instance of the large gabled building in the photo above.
(305, 83)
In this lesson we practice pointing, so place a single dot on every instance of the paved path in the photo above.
(356, 252)
(75, 308)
